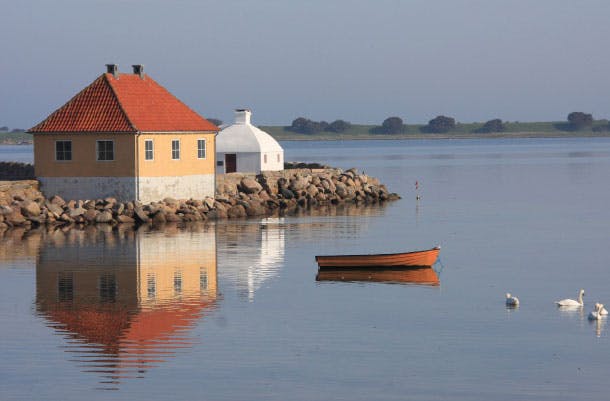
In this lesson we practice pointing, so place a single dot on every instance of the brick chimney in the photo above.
(113, 69)
(138, 69)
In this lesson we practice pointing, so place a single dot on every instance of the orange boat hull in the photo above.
(417, 276)
(418, 258)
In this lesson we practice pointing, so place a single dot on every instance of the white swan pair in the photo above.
(598, 313)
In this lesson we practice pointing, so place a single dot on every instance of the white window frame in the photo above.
(63, 160)
(205, 148)
(152, 150)
(97, 150)
(176, 150)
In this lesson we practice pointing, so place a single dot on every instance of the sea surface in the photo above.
(233, 311)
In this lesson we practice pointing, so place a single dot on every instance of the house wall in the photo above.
(247, 162)
(275, 161)
(129, 176)
(187, 177)
(84, 159)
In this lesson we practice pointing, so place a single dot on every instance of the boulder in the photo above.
(209, 202)
(90, 215)
(125, 219)
(159, 218)
(79, 211)
(30, 208)
(172, 217)
(171, 201)
(15, 218)
(104, 217)
(286, 193)
(341, 189)
(256, 209)
(299, 183)
(140, 215)
(312, 190)
(5, 210)
(250, 186)
(236, 211)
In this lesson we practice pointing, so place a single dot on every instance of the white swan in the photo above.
(596, 314)
(602, 310)
(511, 301)
(571, 302)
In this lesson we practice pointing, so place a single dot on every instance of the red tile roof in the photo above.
(127, 104)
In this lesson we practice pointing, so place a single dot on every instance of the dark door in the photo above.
(230, 163)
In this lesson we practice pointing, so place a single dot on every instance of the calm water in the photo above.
(17, 153)
(232, 311)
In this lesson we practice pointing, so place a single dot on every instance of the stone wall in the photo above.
(237, 195)
(16, 171)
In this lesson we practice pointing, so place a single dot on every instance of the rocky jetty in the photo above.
(238, 196)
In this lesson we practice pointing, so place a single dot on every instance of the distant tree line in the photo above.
(14, 130)
(393, 125)
(304, 125)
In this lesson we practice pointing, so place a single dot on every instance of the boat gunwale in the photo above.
(436, 248)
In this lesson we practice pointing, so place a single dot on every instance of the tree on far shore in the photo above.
(440, 124)
(495, 125)
(338, 126)
(389, 126)
(304, 125)
(215, 121)
(579, 120)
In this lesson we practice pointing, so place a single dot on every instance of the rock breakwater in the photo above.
(238, 196)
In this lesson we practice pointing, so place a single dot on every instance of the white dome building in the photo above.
(242, 147)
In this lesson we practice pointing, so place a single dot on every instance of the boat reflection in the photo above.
(125, 301)
(399, 275)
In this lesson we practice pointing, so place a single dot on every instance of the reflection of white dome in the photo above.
(242, 136)
(253, 149)
(256, 260)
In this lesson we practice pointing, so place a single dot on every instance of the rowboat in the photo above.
(412, 259)
(401, 275)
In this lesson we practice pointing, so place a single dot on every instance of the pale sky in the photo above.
(362, 61)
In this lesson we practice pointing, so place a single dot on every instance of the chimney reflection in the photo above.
(125, 301)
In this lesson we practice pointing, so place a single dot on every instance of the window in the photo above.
(151, 285)
(65, 287)
(278, 157)
(203, 279)
(105, 150)
(176, 149)
(63, 150)
(201, 148)
(148, 149)
(177, 283)
(108, 288)
(265, 159)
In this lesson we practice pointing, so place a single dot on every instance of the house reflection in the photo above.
(125, 301)
(252, 253)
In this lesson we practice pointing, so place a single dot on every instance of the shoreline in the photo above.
(422, 136)
(411, 136)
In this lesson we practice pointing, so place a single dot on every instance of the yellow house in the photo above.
(127, 137)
